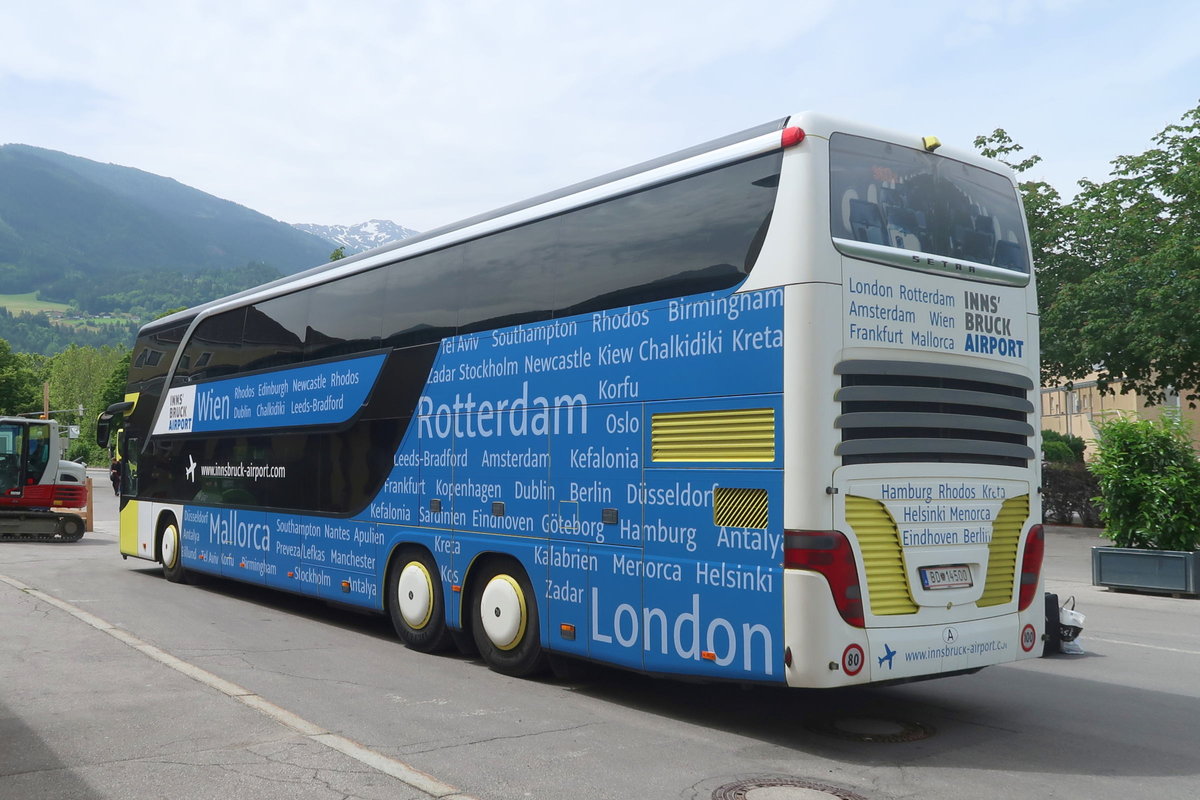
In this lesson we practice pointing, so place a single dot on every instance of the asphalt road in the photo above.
(117, 684)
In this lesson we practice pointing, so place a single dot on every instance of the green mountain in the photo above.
(71, 228)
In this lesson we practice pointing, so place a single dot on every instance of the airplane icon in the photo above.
(191, 470)
(888, 655)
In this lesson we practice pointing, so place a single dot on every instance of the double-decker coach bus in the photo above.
(759, 410)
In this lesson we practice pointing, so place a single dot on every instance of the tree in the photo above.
(1051, 227)
(19, 387)
(78, 378)
(338, 254)
(1131, 313)
(113, 388)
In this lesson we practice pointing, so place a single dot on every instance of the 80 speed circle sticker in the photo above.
(853, 660)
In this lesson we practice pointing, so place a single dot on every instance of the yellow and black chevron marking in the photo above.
(740, 508)
(883, 558)
(733, 435)
(1002, 552)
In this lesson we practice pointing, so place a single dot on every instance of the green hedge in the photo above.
(1149, 480)
(1069, 489)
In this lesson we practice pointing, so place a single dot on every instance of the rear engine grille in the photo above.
(901, 411)
(883, 558)
(1002, 552)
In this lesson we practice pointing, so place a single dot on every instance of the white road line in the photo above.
(1087, 639)
(402, 772)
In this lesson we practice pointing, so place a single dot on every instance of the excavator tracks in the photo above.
(40, 526)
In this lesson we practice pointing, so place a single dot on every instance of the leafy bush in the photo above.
(1057, 453)
(1074, 444)
(1069, 489)
(1149, 479)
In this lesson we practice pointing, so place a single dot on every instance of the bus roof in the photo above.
(611, 177)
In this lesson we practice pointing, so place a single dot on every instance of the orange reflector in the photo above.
(345, 586)
(202, 556)
(291, 574)
(242, 565)
(708, 655)
(567, 631)
(456, 588)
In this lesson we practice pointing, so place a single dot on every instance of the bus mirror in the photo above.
(104, 421)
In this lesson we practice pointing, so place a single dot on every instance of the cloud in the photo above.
(425, 112)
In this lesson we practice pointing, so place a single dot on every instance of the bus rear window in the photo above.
(892, 198)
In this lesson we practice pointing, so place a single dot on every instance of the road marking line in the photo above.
(1147, 646)
(402, 772)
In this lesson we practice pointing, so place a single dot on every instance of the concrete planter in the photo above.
(1173, 571)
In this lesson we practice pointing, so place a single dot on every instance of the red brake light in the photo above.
(1031, 565)
(829, 553)
(791, 137)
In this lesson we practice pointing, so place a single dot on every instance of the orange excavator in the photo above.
(36, 484)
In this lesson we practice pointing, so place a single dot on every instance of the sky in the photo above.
(425, 112)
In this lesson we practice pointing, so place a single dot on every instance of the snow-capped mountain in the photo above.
(360, 237)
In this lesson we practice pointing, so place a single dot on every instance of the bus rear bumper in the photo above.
(826, 652)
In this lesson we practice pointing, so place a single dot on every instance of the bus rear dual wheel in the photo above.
(504, 620)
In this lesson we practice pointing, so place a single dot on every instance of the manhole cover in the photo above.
(782, 789)
(871, 729)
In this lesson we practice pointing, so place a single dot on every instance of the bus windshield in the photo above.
(906, 199)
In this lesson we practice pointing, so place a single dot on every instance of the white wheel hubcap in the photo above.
(170, 546)
(502, 609)
(414, 594)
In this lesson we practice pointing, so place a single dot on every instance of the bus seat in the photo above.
(1009, 255)
(866, 222)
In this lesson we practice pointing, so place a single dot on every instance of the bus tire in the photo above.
(504, 620)
(415, 601)
(170, 552)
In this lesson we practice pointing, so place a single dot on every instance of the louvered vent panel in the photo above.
(883, 558)
(737, 435)
(1002, 552)
(902, 411)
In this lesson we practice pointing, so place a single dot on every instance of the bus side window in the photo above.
(510, 278)
(345, 316)
(422, 298)
(275, 331)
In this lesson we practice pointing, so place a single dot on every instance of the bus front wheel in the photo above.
(172, 562)
(415, 601)
(504, 621)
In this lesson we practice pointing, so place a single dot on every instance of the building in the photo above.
(1077, 411)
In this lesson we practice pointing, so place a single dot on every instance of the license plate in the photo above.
(951, 576)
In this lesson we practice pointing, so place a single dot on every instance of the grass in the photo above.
(29, 302)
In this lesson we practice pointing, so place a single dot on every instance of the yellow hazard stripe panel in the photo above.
(740, 508)
(1002, 552)
(883, 558)
(735, 435)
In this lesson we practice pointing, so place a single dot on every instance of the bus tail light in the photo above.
(791, 137)
(829, 553)
(1031, 565)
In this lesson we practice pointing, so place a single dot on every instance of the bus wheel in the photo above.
(415, 601)
(504, 621)
(172, 562)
